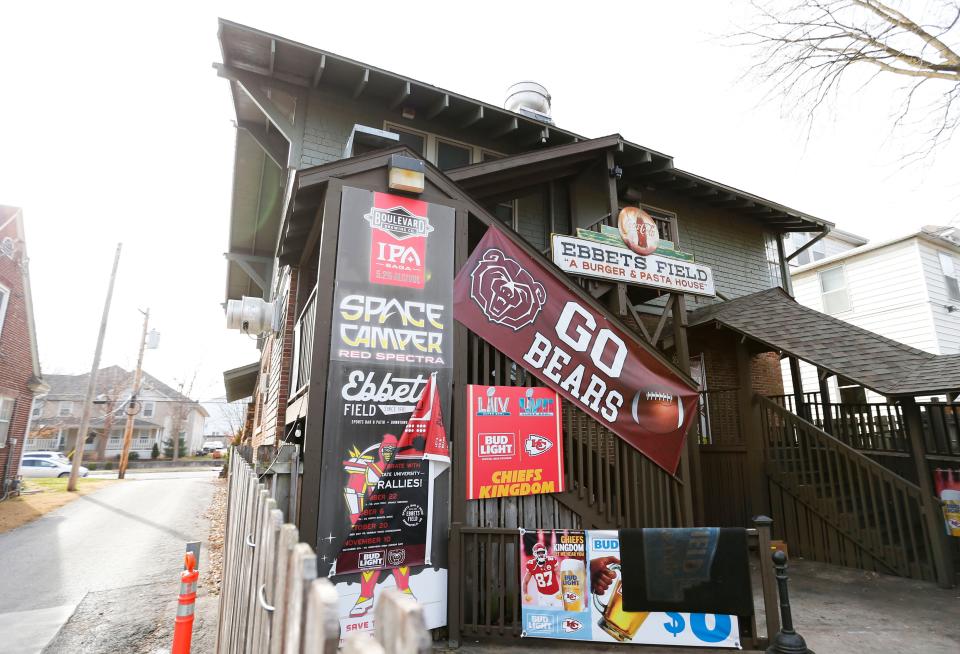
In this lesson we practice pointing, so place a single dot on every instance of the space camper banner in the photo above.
(391, 349)
(522, 308)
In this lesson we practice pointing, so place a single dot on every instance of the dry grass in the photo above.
(216, 514)
(41, 496)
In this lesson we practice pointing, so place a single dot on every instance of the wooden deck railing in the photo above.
(303, 345)
(834, 504)
(879, 427)
(609, 483)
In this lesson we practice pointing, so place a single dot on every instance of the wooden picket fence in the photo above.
(271, 600)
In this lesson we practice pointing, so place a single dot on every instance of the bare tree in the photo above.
(806, 48)
(111, 401)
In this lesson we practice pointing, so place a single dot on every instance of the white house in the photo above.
(906, 289)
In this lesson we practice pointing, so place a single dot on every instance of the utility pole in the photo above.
(92, 382)
(133, 408)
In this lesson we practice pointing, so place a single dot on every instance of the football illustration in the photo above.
(638, 230)
(657, 411)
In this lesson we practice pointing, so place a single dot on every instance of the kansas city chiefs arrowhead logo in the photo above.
(535, 445)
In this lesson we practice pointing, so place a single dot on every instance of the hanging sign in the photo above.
(384, 484)
(578, 256)
(948, 489)
(514, 442)
(571, 589)
(522, 309)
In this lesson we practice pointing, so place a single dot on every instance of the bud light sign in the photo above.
(515, 441)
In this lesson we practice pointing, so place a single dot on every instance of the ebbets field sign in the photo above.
(577, 256)
(521, 308)
(514, 441)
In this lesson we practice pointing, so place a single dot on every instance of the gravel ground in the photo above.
(217, 515)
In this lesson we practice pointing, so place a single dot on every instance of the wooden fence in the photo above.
(271, 600)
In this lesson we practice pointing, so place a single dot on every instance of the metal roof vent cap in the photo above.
(529, 99)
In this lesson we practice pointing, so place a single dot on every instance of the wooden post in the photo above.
(753, 436)
(768, 583)
(313, 428)
(458, 432)
(690, 459)
(824, 377)
(797, 379)
(933, 515)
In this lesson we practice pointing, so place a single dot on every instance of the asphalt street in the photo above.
(128, 534)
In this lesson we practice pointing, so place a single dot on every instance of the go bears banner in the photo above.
(570, 587)
(384, 485)
(514, 441)
(521, 308)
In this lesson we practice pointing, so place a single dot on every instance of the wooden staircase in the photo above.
(833, 504)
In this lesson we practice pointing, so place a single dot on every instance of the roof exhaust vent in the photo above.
(529, 99)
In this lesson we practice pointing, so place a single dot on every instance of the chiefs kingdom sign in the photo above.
(521, 308)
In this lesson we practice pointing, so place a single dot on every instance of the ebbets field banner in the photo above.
(383, 519)
(523, 309)
(514, 441)
(396, 514)
(571, 588)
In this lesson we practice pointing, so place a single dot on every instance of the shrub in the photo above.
(134, 456)
(155, 452)
(108, 465)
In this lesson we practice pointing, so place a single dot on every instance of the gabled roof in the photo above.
(14, 215)
(111, 379)
(638, 165)
(777, 321)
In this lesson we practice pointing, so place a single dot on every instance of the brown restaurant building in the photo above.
(849, 485)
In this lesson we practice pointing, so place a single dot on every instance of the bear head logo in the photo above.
(506, 293)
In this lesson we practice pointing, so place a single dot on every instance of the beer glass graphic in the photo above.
(622, 625)
(573, 576)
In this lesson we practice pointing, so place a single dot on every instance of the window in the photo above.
(833, 290)
(444, 153)
(149, 408)
(452, 156)
(65, 409)
(4, 297)
(951, 274)
(6, 416)
(815, 252)
(413, 140)
(37, 410)
(773, 259)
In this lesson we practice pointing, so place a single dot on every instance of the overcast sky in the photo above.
(116, 128)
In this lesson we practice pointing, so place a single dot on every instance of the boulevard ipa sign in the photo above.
(521, 308)
(571, 589)
(384, 460)
(514, 442)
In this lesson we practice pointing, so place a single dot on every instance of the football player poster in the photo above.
(383, 515)
(514, 441)
(553, 582)
(571, 588)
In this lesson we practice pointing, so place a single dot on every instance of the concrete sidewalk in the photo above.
(837, 610)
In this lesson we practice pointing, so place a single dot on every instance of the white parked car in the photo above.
(40, 467)
(58, 456)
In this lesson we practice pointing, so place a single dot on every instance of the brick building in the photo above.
(20, 379)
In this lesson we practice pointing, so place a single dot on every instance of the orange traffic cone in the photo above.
(183, 626)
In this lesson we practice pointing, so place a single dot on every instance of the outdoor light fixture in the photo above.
(406, 174)
(616, 172)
